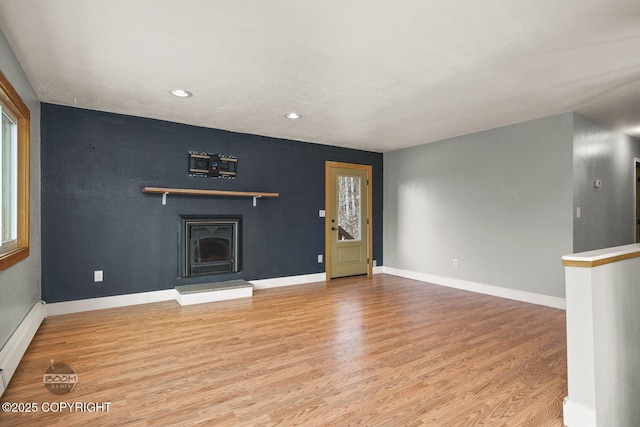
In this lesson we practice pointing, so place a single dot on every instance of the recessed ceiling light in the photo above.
(292, 115)
(181, 93)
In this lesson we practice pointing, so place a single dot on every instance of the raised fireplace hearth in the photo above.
(209, 245)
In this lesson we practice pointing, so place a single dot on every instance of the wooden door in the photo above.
(348, 220)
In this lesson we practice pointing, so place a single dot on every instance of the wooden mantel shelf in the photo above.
(194, 192)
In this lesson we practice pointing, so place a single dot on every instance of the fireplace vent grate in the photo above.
(212, 268)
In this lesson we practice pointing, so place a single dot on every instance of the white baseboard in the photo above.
(14, 349)
(67, 307)
(217, 295)
(497, 291)
(288, 280)
(76, 306)
(576, 415)
(297, 280)
(89, 304)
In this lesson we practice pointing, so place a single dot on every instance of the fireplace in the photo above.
(209, 245)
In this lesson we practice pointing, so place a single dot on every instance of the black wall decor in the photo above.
(212, 165)
(96, 217)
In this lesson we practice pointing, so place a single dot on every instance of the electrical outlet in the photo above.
(455, 262)
(375, 263)
(98, 276)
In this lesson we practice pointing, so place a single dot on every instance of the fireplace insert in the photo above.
(209, 245)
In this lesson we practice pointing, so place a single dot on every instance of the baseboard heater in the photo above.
(14, 349)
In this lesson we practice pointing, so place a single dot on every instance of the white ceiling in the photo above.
(374, 75)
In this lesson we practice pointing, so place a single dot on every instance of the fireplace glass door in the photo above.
(209, 246)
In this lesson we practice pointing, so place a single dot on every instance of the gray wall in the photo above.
(20, 283)
(500, 201)
(607, 213)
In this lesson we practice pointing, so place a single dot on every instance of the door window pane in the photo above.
(349, 211)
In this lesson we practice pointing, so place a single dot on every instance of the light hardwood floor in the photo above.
(381, 351)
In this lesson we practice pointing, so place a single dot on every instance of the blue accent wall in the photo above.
(95, 216)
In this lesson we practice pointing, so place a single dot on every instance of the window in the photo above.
(349, 213)
(14, 176)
